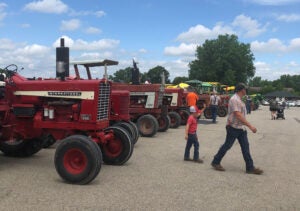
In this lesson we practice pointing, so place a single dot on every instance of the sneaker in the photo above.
(187, 159)
(198, 160)
(255, 171)
(217, 167)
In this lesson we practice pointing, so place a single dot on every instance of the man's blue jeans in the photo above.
(192, 140)
(232, 134)
(214, 110)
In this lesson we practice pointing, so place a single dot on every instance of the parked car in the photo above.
(291, 103)
(298, 103)
(265, 103)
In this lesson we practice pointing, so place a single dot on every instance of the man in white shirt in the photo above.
(213, 104)
(235, 128)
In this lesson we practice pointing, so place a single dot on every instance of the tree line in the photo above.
(224, 60)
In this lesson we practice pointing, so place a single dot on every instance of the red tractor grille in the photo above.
(103, 101)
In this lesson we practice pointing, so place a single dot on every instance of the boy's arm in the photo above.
(186, 131)
(201, 110)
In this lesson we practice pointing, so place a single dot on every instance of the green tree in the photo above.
(224, 59)
(256, 81)
(122, 75)
(180, 79)
(154, 75)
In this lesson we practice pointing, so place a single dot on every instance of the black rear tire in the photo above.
(118, 150)
(164, 123)
(207, 113)
(21, 148)
(129, 128)
(48, 141)
(184, 114)
(136, 131)
(78, 159)
(222, 112)
(175, 119)
(147, 125)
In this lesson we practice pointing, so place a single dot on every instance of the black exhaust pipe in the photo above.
(62, 61)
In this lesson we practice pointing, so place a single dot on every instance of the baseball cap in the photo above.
(240, 87)
(192, 109)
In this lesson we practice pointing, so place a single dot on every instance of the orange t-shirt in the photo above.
(192, 99)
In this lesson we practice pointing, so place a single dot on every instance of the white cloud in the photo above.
(182, 49)
(47, 6)
(25, 25)
(275, 3)
(293, 64)
(93, 30)
(289, 18)
(33, 50)
(2, 12)
(294, 45)
(275, 46)
(248, 26)
(70, 25)
(95, 45)
(100, 13)
(35, 58)
(273, 71)
(95, 55)
(82, 45)
(242, 26)
(199, 33)
(271, 46)
(142, 50)
(7, 44)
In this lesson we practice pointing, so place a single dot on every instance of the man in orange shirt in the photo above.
(192, 99)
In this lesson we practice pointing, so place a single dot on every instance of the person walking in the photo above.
(248, 104)
(191, 135)
(273, 108)
(235, 128)
(213, 104)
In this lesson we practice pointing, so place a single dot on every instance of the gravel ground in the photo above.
(157, 178)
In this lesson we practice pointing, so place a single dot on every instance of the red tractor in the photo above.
(119, 112)
(146, 108)
(222, 108)
(75, 112)
(178, 110)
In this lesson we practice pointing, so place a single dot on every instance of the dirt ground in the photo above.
(157, 178)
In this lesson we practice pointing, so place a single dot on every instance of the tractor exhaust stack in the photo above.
(62, 61)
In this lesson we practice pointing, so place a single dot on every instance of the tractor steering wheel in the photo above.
(11, 67)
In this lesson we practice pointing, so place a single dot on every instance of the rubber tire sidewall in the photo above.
(154, 124)
(91, 151)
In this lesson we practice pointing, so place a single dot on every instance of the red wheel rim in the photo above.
(75, 161)
(113, 148)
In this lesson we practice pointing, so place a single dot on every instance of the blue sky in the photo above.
(155, 32)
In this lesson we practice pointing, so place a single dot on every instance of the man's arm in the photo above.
(241, 117)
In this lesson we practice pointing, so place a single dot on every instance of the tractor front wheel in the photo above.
(78, 159)
(117, 150)
(147, 125)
